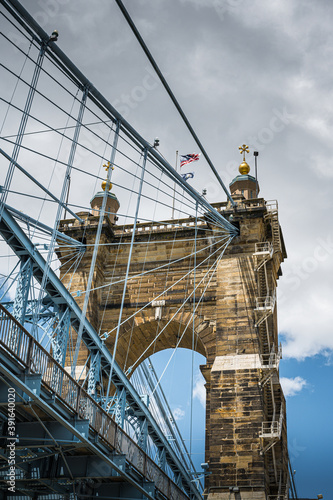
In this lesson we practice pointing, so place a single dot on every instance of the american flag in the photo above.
(185, 159)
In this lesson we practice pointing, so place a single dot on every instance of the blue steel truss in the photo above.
(61, 298)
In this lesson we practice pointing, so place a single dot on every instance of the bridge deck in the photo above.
(56, 416)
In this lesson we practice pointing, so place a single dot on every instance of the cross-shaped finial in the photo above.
(107, 166)
(244, 149)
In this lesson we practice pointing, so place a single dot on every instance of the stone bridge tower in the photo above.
(236, 329)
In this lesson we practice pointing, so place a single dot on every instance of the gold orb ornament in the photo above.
(106, 184)
(244, 168)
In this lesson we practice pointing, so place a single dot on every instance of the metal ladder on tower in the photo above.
(270, 356)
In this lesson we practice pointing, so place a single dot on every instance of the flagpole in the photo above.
(174, 190)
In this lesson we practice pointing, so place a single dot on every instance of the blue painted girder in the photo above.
(23, 247)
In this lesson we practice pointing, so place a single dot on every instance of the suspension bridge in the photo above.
(96, 278)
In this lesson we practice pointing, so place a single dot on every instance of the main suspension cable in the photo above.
(172, 96)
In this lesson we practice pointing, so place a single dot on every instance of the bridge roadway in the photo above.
(66, 441)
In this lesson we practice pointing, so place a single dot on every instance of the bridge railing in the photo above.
(29, 353)
(265, 303)
(263, 247)
(270, 429)
(272, 359)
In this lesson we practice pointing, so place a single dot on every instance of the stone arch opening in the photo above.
(179, 376)
(140, 339)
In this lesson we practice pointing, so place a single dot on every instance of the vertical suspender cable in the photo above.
(193, 323)
(23, 124)
(94, 257)
(61, 202)
(174, 190)
(127, 272)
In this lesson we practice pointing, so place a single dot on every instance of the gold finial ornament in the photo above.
(107, 184)
(244, 168)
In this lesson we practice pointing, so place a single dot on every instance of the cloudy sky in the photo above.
(253, 72)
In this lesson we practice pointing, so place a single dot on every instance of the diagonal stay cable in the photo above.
(164, 291)
(215, 264)
(138, 275)
(182, 305)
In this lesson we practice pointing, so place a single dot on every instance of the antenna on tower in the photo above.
(256, 154)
